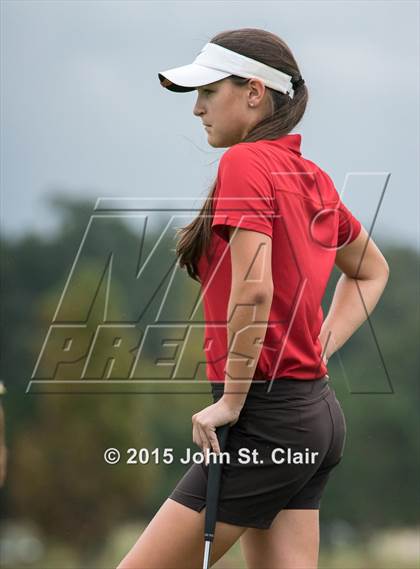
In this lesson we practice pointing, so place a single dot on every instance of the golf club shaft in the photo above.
(212, 497)
(207, 551)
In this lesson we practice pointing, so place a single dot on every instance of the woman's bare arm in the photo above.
(249, 308)
(365, 275)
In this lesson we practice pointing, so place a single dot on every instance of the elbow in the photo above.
(385, 271)
(253, 295)
(263, 295)
(379, 272)
(382, 275)
(383, 268)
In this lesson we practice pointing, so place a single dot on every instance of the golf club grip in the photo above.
(213, 485)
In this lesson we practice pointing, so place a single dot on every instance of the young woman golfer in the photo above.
(263, 248)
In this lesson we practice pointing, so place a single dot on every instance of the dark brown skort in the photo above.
(297, 428)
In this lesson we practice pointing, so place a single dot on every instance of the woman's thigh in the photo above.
(291, 542)
(175, 539)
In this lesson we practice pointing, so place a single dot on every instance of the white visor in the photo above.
(214, 63)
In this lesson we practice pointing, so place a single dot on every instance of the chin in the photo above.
(217, 143)
(212, 142)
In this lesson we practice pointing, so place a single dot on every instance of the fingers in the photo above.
(197, 437)
(213, 440)
(205, 437)
(211, 443)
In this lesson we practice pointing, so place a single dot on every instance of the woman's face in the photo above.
(230, 111)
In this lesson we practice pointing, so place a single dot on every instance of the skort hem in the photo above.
(194, 504)
(313, 506)
(221, 516)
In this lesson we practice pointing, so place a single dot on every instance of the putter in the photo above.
(212, 495)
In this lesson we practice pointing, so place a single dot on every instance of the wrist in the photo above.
(233, 401)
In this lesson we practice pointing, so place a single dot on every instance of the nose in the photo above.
(198, 109)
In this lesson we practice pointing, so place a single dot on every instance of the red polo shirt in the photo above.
(268, 186)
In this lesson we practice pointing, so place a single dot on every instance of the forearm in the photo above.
(353, 301)
(246, 331)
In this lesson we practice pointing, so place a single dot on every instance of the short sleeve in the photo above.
(348, 227)
(244, 194)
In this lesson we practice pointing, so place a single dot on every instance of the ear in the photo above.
(256, 90)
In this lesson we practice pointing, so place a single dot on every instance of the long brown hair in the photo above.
(267, 48)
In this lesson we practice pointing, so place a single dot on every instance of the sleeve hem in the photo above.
(220, 227)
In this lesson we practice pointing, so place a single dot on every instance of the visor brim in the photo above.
(189, 77)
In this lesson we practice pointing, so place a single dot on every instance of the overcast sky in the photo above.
(83, 114)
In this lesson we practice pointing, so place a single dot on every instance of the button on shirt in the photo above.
(269, 187)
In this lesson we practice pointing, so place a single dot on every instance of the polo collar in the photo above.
(290, 141)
